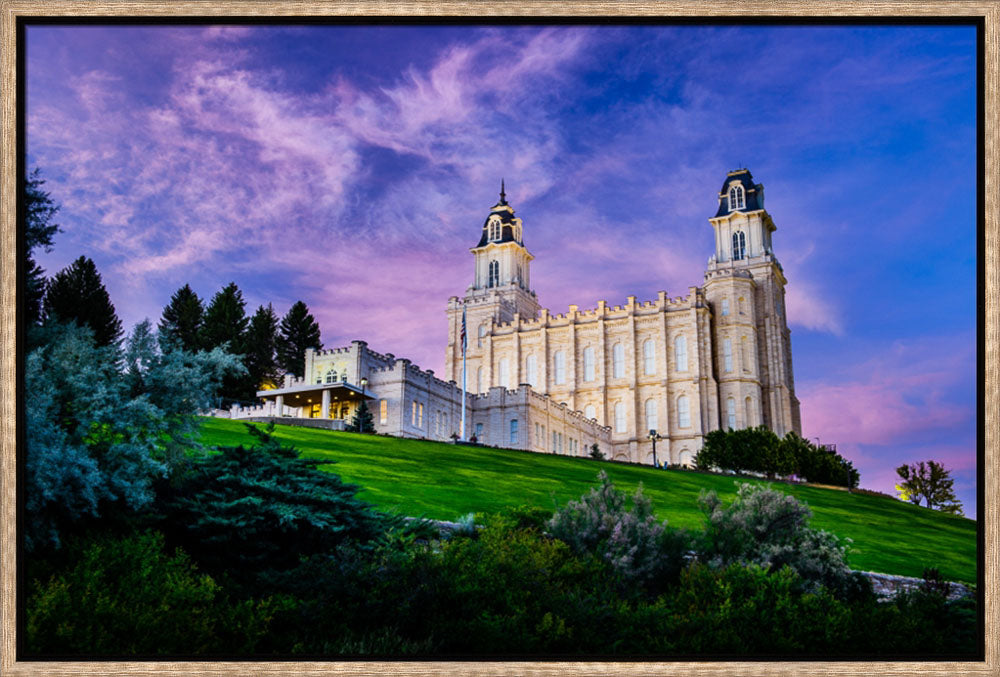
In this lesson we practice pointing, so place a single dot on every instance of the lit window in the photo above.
(731, 413)
(749, 411)
(494, 278)
(725, 306)
(588, 364)
(479, 380)
(648, 358)
(739, 246)
(331, 376)
(736, 198)
(683, 412)
(413, 415)
(651, 414)
(420, 416)
(590, 411)
(531, 370)
(559, 360)
(681, 352)
(513, 431)
(618, 360)
(619, 417)
(727, 355)
(383, 412)
(502, 373)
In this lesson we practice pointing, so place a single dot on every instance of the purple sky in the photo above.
(352, 167)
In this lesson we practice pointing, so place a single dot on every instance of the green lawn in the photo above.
(444, 481)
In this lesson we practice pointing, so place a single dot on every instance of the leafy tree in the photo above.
(595, 452)
(77, 294)
(261, 357)
(225, 326)
(39, 228)
(182, 319)
(363, 421)
(299, 331)
(930, 482)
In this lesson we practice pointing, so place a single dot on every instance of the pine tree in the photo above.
(225, 325)
(299, 331)
(39, 211)
(182, 319)
(261, 358)
(363, 422)
(77, 294)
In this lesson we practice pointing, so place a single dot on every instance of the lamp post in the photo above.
(364, 383)
(653, 436)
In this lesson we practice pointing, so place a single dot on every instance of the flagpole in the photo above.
(465, 341)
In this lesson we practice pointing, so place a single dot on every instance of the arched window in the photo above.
(648, 357)
(727, 355)
(681, 352)
(683, 412)
(619, 417)
(742, 305)
(590, 411)
(588, 364)
(495, 228)
(559, 367)
(502, 374)
(651, 419)
(513, 431)
(479, 380)
(731, 413)
(736, 198)
(331, 376)
(739, 245)
(531, 370)
(725, 306)
(749, 412)
(745, 353)
(618, 360)
(482, 333)
(494, 279)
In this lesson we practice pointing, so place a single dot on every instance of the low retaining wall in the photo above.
(887, 585)
(321, 423)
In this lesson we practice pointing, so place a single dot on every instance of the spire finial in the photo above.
(503, 195)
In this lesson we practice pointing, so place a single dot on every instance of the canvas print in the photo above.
(452, 340)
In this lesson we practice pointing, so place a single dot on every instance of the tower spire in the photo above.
(503, 195)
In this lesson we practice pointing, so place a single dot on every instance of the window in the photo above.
(749, 412)
(741, 304)
(420, 416)
(538, 435)
(648, 358)
(560, 443)
(651, 414)
(383, 412)
(745, 353)
(618, 360)
(494, 270)
(725, 306)
(331, 376)
(495, 229)
(502, 373)
(482, 333)
(513, 431)
(681, 353)
(736, 198)
(683, 412)
(555, 443)
(731, 413)
(531, 370)
(739, 246)
(559, 367)
(619, 417)
(727, 355)
(413, 415)
(590, 411)
(343, 377)
(588, 364)
(479, 432)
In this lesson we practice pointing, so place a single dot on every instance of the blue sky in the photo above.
(351, 167)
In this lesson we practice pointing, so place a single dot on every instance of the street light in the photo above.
(653, 437)
(361, 422)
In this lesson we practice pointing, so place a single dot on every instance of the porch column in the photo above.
(326, 404)
(279, 405)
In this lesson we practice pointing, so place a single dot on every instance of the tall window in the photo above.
(590, 411)
(649, 358)
(745, 353)
(555, 442)
(619, 417)
(494, 230)
(727, 354)
(413, 414)
(749, 412)
(383, 412)
(725, 306)
(559, 367)
(739, 245)
(618, 360)
(420, 416)
(331, 376)
(479, 432)
(741, 304)
(683, 412)
(531, 370)
(494, 280)
(502, 373)
(736, 198)
(482, 333)
(681, 352)
(731, 413)
(479, 380)
(651, 414)
(588, 364)
(513, 431)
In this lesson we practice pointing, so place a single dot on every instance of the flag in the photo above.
(463, 330)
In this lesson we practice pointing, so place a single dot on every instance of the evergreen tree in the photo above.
(39, 212)
(299, 331)
(261, 359)
(225, 326)
(182, 319)
(363, 422)
(77, 294)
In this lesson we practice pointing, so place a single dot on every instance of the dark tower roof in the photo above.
(753, 193)
(505, 213)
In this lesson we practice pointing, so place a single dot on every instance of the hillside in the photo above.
(444, 481)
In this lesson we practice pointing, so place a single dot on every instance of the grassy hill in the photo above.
(444, 481)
